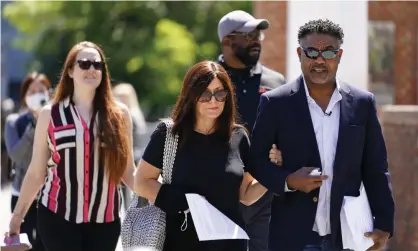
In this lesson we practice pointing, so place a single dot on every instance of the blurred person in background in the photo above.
(82, 151)
(7, 107)
(19, 137)
(240, 35)
(126, 94)
(52, 93)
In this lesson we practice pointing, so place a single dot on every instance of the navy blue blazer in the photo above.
(284, 119)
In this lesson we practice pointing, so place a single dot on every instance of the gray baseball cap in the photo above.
(239, 21)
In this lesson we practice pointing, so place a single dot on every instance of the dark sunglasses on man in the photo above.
(251, 36)
(314, 53)
(220, 96)
(85, 64)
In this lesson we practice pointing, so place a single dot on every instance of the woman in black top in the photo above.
(211, 160)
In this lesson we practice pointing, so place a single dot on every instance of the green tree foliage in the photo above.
(149, 44)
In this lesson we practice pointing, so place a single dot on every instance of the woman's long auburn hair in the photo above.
(111, 128)
(196, 81)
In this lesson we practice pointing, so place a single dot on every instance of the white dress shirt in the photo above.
(326, 127)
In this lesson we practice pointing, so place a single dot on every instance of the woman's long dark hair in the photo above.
(196, 81)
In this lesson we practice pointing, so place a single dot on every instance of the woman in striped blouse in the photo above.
(82, 150)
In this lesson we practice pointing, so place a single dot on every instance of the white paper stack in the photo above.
(210, 223)
(356, 220)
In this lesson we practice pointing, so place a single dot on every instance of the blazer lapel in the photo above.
(345, 117)
(304, 123)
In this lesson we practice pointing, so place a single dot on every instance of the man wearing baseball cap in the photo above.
(240, 35)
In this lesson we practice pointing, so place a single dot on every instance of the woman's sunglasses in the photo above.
(314, 54)
(220, 96)
(86, 64)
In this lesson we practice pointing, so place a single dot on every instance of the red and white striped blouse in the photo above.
(77, 186)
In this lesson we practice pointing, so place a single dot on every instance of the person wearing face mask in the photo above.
(19, 138)
(240, 35)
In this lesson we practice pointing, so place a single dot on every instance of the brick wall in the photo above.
(405, 17)
(400, 128)
(274, 45)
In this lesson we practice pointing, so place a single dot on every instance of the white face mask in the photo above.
(36, 101)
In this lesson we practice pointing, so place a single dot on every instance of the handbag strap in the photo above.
(170, 149)
(169, 155)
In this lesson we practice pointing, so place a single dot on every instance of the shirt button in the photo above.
(315, 199)
(244, 91)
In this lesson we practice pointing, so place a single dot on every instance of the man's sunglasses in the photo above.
(314, 54)
(220, 96)
(252, 36)
(86, 64)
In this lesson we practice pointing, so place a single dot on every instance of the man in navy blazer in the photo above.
(320, 122)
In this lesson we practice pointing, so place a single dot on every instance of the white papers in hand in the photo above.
(210, 223)
(356, 220)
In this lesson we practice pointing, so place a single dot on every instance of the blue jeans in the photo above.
(326, 245)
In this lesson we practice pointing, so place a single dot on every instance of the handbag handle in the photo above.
(170, 149)
(169, 154)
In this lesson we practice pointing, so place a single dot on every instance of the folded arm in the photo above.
(263, 137)
(250, 190)
(170, 198)
(146, 181)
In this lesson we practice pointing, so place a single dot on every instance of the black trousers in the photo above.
(29, 226)
(59, 234)
(257, 220)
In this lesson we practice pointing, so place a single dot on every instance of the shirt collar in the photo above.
(256, 69)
